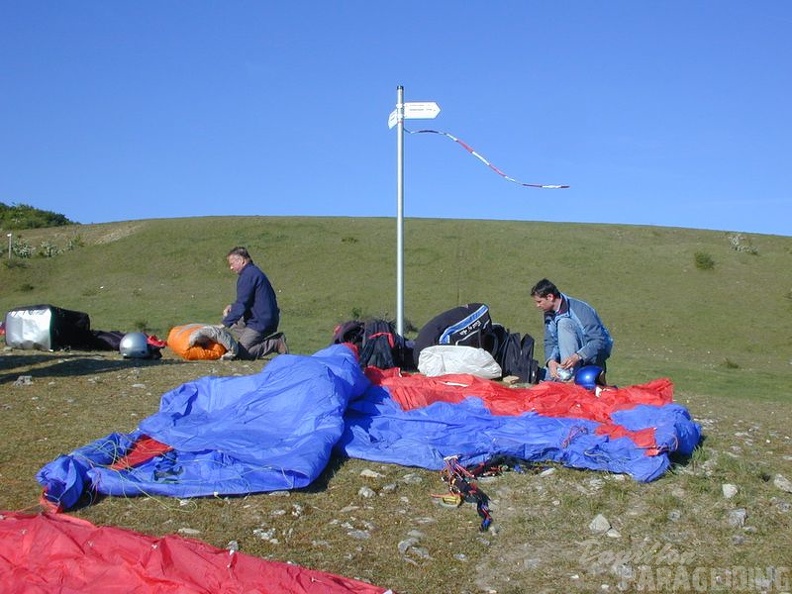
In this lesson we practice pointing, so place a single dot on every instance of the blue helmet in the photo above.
(590, 376)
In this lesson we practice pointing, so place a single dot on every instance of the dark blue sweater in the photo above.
(255, 302)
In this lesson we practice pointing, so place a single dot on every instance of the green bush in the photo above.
(49, 250)
(703, 261)
(24, 216)
(21, 249)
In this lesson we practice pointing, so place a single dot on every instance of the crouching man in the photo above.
(574, 335)
(254, 317)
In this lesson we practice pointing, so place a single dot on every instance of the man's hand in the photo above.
(227, 310)
(571, 361)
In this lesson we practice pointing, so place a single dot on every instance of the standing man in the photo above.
(254, 317)
(574, 335)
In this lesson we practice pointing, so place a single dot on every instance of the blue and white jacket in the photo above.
(597, 341)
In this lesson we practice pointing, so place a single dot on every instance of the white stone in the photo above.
(783, 483)
(737, 517)
(599, 524)
(189, 531)
(729, 490)
(366, 492)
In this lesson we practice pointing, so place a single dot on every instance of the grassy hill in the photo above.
(713, 310)
(710, 310)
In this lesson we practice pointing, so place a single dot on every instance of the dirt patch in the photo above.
(116, 232)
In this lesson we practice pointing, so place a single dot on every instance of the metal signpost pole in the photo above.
(400, 210)
(419, 111)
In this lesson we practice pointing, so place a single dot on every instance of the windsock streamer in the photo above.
(469, 149)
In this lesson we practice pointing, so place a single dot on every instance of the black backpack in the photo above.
(377, 341)
(514, 354)
(379, 344)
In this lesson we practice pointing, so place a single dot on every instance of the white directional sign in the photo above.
(392, 119)
(417, 110)
(421, 111)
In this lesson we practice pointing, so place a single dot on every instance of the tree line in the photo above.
(24, 216)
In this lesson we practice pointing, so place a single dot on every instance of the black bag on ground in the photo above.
(377, 342)
(515, 354)
(107, 340)
(467, 325)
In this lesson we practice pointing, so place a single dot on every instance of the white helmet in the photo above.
(135, 345)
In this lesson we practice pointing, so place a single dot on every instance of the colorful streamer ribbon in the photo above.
(469, 149)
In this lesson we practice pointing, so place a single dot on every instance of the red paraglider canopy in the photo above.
(59, 553)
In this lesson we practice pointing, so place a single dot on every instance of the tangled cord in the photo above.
(462, 487)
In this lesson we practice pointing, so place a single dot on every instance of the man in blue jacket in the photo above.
(574, 335)
(254, 317)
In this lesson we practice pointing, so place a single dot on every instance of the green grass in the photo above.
(723, 334)
(731, 324)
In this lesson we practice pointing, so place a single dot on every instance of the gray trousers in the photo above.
(254, 344)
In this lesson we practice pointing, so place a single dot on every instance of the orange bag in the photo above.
(179, 341)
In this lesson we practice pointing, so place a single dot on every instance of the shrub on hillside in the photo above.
(21, 249)
(703, 261)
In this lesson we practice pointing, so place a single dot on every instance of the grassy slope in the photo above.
(723, 336)
(716, 331)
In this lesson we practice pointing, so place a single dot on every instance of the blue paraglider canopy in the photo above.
(277, 429)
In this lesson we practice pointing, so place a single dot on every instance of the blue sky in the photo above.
(674, 113)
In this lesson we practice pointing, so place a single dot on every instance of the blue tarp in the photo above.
(264, 432)
(377, 429)
(277, 429)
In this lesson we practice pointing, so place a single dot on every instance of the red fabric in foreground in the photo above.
(59, 553)
(550, 399)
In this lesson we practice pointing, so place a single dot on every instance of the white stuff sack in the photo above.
(29, 328)
(442, 359)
